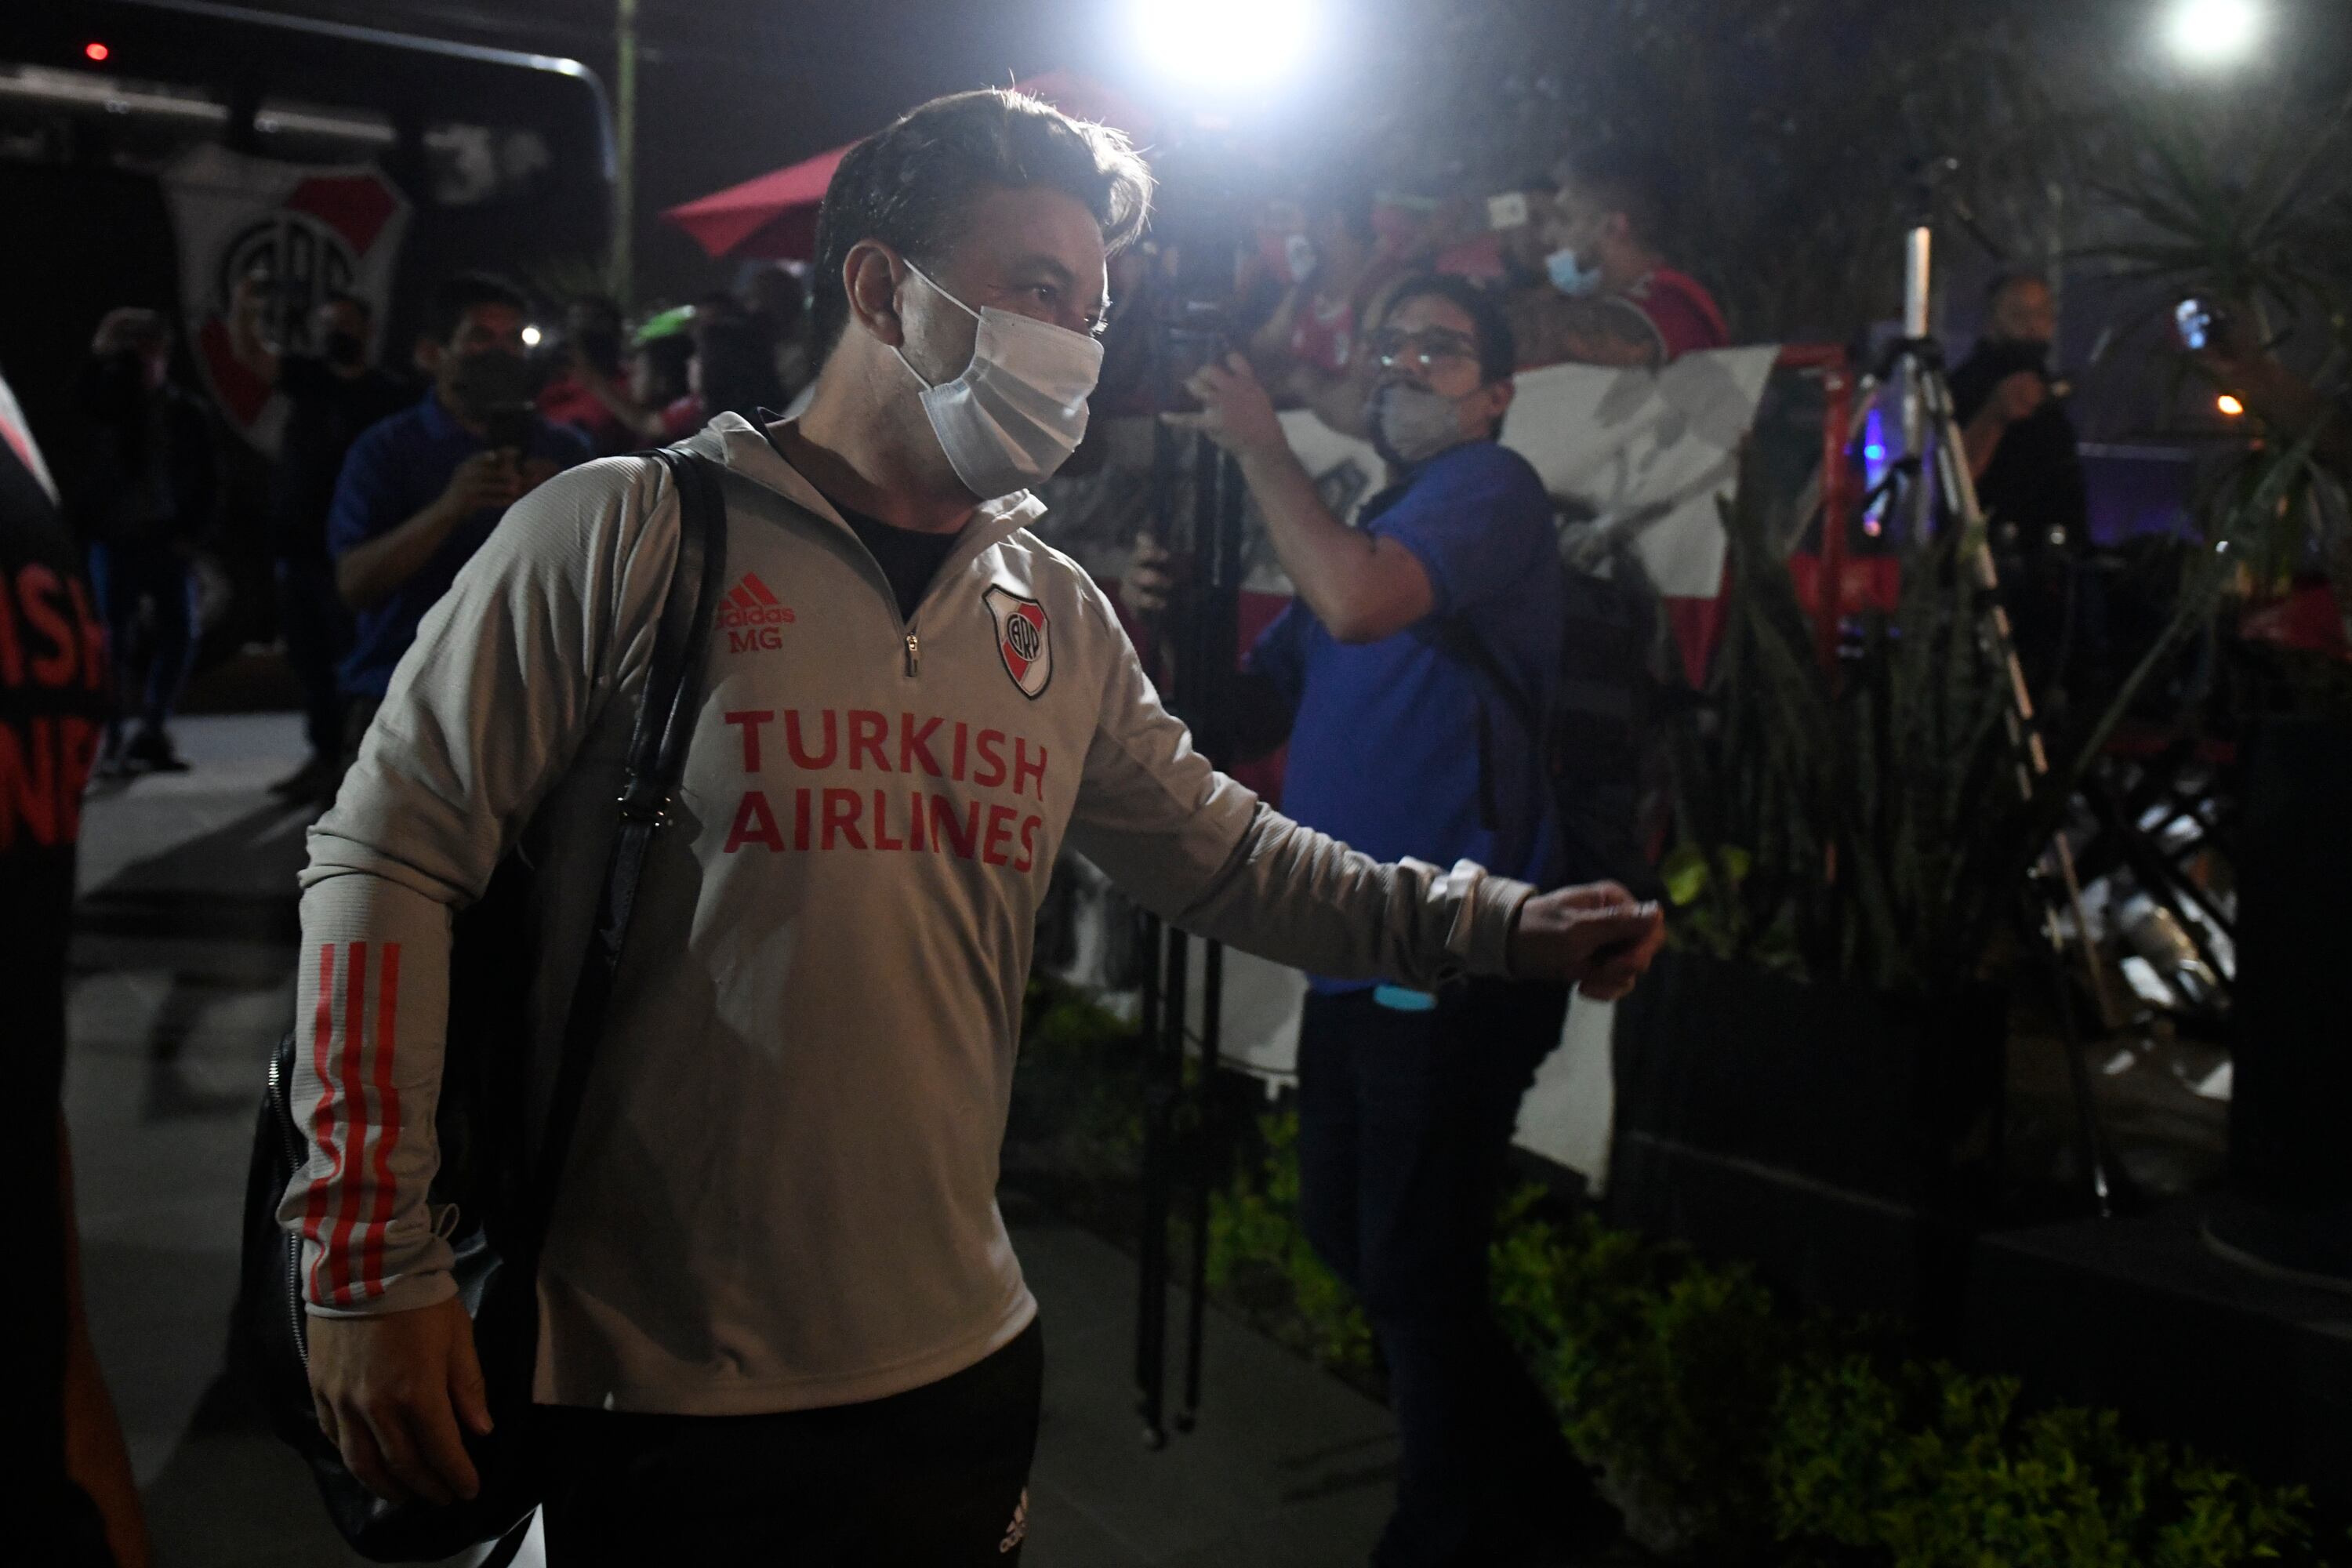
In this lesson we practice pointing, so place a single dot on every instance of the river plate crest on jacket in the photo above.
(1021, 638)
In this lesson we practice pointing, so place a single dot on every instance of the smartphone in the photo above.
(510, 429)
(2197, 322)
(1508, 210)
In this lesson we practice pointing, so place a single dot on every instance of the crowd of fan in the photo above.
(387, 476)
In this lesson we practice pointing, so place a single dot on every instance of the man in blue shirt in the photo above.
(421, 491)
(1388, 673)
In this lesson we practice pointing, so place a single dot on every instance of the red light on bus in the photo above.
(94, 52)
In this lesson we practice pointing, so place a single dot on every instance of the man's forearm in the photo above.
(1561, 330)
(1333, 566)
(641, 421)
(1981, 439)
(1304, 899)
(368, 574)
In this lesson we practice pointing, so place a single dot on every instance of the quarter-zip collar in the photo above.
(745, 448)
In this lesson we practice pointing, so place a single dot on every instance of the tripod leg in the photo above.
(1206, 1167)
(2103, 1183)
(1958, 496)
(1163, 1084)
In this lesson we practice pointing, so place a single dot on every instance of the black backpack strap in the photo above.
(657, 762)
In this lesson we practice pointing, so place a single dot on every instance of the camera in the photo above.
(2199, 324)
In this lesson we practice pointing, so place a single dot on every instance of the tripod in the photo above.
(1203, 630)
(1932, 480)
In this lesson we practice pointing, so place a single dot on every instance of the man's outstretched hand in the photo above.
(1598, 937)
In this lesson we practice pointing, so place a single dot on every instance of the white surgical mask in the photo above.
(1570, 274)
(1019, 409)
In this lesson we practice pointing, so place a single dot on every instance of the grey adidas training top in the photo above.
(782, 1190)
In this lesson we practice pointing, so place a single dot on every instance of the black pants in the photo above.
(152, 672)
(1403, 1122)
(937, 1476)
(318, 631)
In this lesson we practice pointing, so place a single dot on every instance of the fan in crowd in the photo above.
(333, 392)
(422, 491)
(1609, 297)
(148, 488)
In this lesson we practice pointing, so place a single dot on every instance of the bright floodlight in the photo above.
(1225, 44)
(2213, 32)
(530, 336)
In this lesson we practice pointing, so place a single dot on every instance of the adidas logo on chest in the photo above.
(752, 617)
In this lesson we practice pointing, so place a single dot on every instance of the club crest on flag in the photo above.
(1021, 638)
(310, 230)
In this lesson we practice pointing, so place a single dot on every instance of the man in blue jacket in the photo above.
(1406, 673)
(421, 491)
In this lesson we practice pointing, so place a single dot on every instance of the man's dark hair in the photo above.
(910, 185)
(1630, 180)
(665, 360)
(345, 297)
(2009, 277)
(464, 291)
(1498, 354)
(739, 371)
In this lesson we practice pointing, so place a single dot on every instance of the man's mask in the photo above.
(1411, 423)
(1572, 274)
(484, 382)
(1019, 409)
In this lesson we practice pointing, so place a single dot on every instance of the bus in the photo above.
(154, 152)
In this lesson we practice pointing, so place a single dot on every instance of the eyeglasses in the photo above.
(1424, 351)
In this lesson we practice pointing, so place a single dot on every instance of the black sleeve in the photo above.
(1971, 383)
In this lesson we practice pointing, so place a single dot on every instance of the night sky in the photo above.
(733, 90)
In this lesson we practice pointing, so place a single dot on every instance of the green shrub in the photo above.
(1735, 1430)
(1258, 1252)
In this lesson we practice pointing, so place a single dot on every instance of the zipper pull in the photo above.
(914, 653)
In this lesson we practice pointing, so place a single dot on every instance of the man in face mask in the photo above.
(2022, 448)
(420, 491)
(1607, 296)
(1406, 676)
(333, 391)
(781, 1319)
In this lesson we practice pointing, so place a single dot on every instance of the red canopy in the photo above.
(775, 215)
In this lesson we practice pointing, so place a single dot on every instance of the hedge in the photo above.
(1735, 1430)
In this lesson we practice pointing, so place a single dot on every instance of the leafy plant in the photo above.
(1873, 824)
(1257, 1246)
(1735, 1430)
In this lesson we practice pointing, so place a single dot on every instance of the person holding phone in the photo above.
(422, 491)
(2021, 447)
(1405, 677)
(333, 391)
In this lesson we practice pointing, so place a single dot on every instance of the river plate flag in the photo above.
(311, 229)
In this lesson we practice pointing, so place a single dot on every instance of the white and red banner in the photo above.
(1635, 458)
(310, 229)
